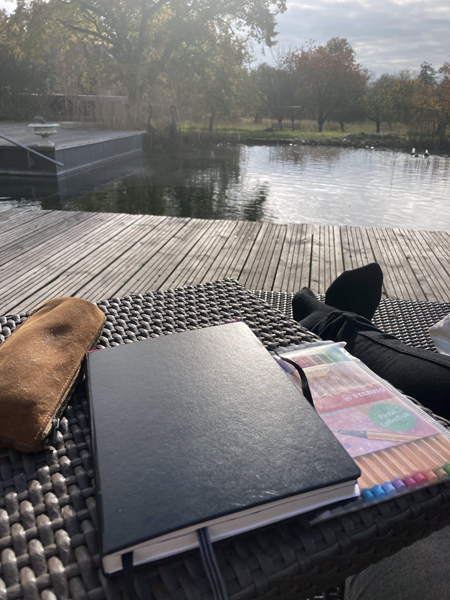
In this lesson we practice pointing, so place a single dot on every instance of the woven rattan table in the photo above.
(48, 520)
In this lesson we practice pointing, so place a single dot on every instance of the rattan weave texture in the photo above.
(48, 519)
(408, 320)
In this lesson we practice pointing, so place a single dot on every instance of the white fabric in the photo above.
(440, 334)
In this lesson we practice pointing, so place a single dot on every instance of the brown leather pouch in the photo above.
(39, 367)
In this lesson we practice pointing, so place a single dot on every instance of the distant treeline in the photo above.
(144, 57)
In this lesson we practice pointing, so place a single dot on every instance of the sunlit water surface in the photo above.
(287, 184)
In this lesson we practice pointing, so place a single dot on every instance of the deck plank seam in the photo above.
(250, 251)
(118, 256)
(62, 272)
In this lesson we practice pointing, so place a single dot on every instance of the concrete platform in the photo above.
(65, 188)
(76, 149)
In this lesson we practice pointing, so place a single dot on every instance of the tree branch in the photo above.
(88, 32)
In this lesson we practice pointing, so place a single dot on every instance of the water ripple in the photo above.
(286, 184)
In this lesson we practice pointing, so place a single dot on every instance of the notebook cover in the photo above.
(197, 425)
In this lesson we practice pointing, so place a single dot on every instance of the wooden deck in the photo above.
(44, 254)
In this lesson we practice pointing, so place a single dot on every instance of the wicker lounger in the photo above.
(48, 540)
(408, 320)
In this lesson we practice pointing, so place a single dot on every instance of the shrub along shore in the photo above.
(352, 140)
(386, 141)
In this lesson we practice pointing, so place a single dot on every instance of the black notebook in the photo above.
(203, 429)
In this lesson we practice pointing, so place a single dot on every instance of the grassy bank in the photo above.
(305, 129)
(358, 135)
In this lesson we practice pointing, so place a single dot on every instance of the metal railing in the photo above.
(8, 139)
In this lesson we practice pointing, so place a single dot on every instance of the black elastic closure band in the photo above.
(305, 385)
(128, 576)
(211, 566)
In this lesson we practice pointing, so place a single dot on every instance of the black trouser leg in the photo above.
(422, 374)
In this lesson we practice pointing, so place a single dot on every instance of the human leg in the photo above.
(358, 290)
(417, 572)
(419, 373)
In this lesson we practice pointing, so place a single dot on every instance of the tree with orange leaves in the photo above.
(431, 101)
(443, 96)
(329, 79)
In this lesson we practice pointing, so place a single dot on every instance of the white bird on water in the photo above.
(426, 154)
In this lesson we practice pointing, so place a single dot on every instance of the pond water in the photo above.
(286, 184)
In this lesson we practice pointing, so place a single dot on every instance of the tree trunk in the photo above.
(211, 124)
(140, 47)
(378, 124)
(342, 124)
(440, 130)
(320, 121)
(280, 122)
(133, 99)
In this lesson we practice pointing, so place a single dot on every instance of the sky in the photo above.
(388, 35)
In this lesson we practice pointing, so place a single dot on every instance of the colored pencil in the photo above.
(398, 484)
(379, 435)
(416, 474)
(444, 439)
(426, 456)
(408, 478)
(374, 486)
(442, 453)
(437, 453)
(419, 463)
(434, 462)
(378, 475)
(413, 462)
(398, 469)
(444, 443)
(363, 481)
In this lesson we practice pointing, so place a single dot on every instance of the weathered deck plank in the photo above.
(363, 252)
(234, 253)
(414, 255)
(44, 254)
(434, 251)
(162, 263)
(326, 260)
(16, 217)
(122, 269)
(293, 271)
(38, 232)
(36, 261)
(35, 222)
(405, 274)
(356, 247)
(38, 269)
(382, 251)
(202, 255)
(259, 270)
(88, 267)
(265, 276)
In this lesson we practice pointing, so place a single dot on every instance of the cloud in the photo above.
(7, 5)
(388, 35)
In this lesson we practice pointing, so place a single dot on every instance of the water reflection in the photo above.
(372, 188)
(319, 184)
(204, 184)
(196, 184)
